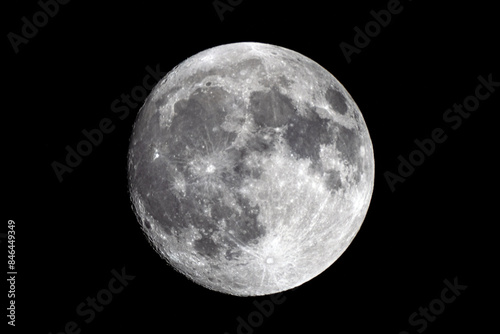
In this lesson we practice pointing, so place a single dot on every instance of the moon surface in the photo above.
(250, 168)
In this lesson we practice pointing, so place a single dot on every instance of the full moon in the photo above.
(250, 169)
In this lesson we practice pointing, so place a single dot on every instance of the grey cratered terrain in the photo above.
(250, 168)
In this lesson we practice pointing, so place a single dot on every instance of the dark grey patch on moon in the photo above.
(300, 131)
(333, 181)
(285, 82)
(194, 136)
(151, 180)
(348, 144)
(166, 202)
(262, 140)
(195, 120)
(240, 223)
(271, 109)
(245, 224)
(336, 100)
(241, 166)
(206, 246)
(232, 253)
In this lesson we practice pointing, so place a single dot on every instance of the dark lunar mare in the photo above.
(195, 130)
(192, 132)
(304, 134)
(336, 100)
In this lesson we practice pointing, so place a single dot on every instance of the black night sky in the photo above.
(426, 81)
